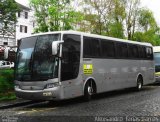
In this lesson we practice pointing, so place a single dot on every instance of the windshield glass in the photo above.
(35, 60)
(157, 61)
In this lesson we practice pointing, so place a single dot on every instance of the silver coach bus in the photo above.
(156, 50)
(67, 64)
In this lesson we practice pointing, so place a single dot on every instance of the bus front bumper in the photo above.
(46, 94)
(157, 76)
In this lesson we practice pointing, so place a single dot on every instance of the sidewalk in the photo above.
(11, 102)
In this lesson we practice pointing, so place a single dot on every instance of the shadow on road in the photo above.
(155, 84)
(96, 97)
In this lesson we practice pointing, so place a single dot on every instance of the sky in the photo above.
(153, 5)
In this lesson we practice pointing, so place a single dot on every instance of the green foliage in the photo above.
(8, 10)
(146, 20)
(148, 36)
(7, 96)
(54, 15)
(147, 28)
(116, 30)
(6, 80)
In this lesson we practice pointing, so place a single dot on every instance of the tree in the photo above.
(131, 9)
(146, 20)
(147, 28)
(54, 15)
(99, 11)
(105, 17)
(117, 17)
(41, 13)
(8, 19)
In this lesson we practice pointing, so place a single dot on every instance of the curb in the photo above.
(14, 103)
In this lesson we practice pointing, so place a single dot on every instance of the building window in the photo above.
(33, 24)
(23, 29)
(5, 43)
(19, 13)
(26, 15)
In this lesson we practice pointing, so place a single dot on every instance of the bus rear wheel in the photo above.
(88, 91)
(139, 83)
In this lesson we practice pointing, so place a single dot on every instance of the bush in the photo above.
(6, 80)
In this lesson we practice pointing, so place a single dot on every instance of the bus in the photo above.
(156, 50)
(68, 64)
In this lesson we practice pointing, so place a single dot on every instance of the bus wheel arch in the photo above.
(89, 89)
(139, 82)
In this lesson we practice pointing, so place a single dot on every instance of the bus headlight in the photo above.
(51, 85)
(16, 86)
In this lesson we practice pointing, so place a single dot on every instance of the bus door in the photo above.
(70, 65)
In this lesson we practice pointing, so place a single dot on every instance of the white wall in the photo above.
(25, 22)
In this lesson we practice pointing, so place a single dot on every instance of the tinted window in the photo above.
(121, 50)
(108, 49)
(133, 51)
(157, 61)
(142, 52)
(70, 57)
(149, 53)
(91, 47)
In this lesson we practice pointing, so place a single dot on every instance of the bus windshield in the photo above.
(34, 59)
(157, 61)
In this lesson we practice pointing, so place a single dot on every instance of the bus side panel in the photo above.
(72, 88)
(113, 74)
(148, 68)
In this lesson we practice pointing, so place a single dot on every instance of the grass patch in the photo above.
(7, 96)
(7, 84)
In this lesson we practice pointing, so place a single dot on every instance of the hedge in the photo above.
(6, 80)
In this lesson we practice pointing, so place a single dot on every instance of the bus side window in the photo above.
(91, 48)
(121, 50)
(108, 49)
(149, 53)
(133, 51)
(142, 52)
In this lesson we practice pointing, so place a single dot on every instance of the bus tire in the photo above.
(88, 91)
(139, 83)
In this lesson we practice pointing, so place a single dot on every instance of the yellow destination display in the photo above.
(87, 69)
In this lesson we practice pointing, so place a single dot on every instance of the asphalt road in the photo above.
(121, 105)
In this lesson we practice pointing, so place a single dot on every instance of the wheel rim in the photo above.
(139, 85)
(90, 90)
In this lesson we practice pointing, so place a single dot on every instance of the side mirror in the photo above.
(55, 46)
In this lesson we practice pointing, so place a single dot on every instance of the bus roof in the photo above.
(92, 35)
(156, 49)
